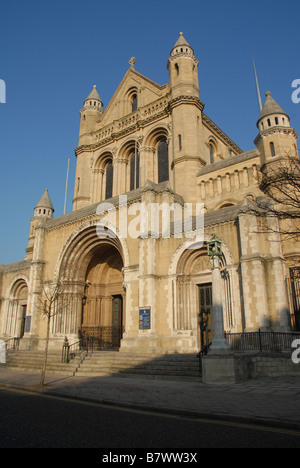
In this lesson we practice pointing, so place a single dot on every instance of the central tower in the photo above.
(186, 109)
(183, 70)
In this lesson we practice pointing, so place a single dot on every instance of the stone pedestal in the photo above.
(224, 369)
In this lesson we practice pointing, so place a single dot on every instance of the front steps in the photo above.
(183, 367)
(33, 361)
(166, 367)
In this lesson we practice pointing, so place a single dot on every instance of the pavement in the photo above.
(271, 402)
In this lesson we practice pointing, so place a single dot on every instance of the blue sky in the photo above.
(52, 52)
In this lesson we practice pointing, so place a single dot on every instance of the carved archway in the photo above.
(92, 270)
(16, 308)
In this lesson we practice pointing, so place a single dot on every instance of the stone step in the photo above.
(111, 363)
(127, 375)
(32, 361)
(179, 367)
(159, 366)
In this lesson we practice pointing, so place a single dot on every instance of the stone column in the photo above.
(146, 164)
(35, 289)
(219, 342)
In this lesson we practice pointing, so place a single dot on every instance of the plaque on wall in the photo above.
(145, 318)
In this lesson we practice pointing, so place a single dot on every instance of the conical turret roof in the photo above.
(182, 42)
(45, 201)
(94, 94)
(271, 107)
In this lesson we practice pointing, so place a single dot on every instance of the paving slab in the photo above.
(269, 401)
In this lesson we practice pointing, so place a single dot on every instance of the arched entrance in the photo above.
(104, 296)
(14, 325)
(194, 294)
(93, 303)
(194, 286)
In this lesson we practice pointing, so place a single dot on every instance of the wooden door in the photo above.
(205, 313)
(117, 321)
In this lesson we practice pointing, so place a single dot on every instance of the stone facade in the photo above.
(153, 155)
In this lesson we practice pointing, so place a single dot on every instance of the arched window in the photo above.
(211, 154)
(134, 102)
(272, 148)
(109, 180)
(180, 142)
(134, 171)
(163, 161)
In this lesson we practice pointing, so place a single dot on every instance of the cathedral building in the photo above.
(156, 180)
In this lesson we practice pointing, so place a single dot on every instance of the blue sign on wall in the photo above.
(145, 318)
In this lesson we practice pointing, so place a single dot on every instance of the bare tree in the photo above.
(280, 183)
(49, 304)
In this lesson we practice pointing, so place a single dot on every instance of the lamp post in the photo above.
(214, 251)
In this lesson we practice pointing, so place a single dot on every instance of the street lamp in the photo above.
(214, 247)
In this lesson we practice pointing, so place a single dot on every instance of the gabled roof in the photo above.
(271, 107)
(132, 79)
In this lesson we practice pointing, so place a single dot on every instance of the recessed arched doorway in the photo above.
(16, 310)
(104, 297)
(93, 304)
(194, 294)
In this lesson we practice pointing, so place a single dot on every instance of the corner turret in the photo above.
(91, 112)
(183, 70)
(44, 208)
(276, 138)
(43, 211)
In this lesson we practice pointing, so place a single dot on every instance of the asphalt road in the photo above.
(29, 420)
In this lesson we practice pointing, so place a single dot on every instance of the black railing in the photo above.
(69, 351)
(261, 341)
(92, 339)
(102, 338)
(12, 344)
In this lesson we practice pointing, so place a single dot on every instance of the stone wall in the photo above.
(272, 365)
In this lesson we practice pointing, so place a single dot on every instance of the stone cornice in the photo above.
(261, 258)
(215, 129)
(188, 55)
(127, 124)
(275, 130)
(252, 155)
(186, 100)
(187, 157)
(138, 119)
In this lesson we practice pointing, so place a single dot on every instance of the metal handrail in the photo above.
(67, 350)
(15, 345)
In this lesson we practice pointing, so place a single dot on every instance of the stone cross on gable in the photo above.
(132, 62)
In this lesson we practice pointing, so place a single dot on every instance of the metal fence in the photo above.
(261, 341)
(101, 338)
(93, 339)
